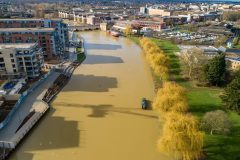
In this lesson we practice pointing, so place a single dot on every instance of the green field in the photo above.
(237, 46)
(202, 100)
(79, 50)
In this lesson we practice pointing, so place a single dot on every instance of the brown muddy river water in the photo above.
(97, 116)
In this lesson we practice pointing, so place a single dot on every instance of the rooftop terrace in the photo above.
(26, 30)
(17, 45)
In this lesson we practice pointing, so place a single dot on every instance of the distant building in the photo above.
(104, 26)
(209, 51)
(138, 24)
(160, 12)
(143, 10)
(93, 20)
(209, 16)
(20, 59)
(65, 15)
(234, 63)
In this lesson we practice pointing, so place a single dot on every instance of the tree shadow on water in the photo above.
(102, 59)
(51, 132)
(91, 83)
(102, 110)
(97, 46)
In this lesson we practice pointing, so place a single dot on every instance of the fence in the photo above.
(22, 98)
(29, 124)
(8, 146)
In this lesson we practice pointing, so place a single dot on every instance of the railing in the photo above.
(5, 144)
(10, 145)
(27, 126)
(22, 98)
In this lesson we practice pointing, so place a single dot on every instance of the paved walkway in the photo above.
(29, 104)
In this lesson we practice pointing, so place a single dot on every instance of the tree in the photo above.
(160, 59)
(181, 137)
(147, 45)
(235, 41)
(161, 71)
(128, 30)
(216, 122)
(215, 70)
(171, 98)
(157, 59)
(231, 16)
(39, 10)
(154, 49)
(143, 41)
(193, 61)
(231, 97)
(221, 40)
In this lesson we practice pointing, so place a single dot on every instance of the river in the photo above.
(97, 115)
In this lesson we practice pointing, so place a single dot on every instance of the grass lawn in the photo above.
(224, 147)
(202, 100)
(81, 57)
(134, 39)
(79, 49)
(237, 46)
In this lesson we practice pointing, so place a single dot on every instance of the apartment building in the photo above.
(155, 26)
(57, 24)
(47, 38)
(160, 12)
(93, 20)
(234, 63)
(20, 59)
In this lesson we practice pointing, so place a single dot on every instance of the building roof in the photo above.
(30, 19)
(27, 29)
(233, 59)
(17, 45)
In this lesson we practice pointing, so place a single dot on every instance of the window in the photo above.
(11, 55)
(14, 70)
(12, 60)
(13, 65)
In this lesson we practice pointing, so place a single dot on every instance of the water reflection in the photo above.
(97, 46)
(102, 59)
(91, 83)
(55, 137)
(102, 110)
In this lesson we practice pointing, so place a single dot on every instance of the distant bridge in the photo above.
(84, 27)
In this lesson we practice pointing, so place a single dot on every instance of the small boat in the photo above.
(144, 103)
(114, 33)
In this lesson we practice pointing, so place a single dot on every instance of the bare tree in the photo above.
(193, 59)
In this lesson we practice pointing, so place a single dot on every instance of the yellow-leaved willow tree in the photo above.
(181, 137)
(156, 58)
(170, 98)
(128, 30)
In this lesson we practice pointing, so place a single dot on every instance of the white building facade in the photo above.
(21, 59)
